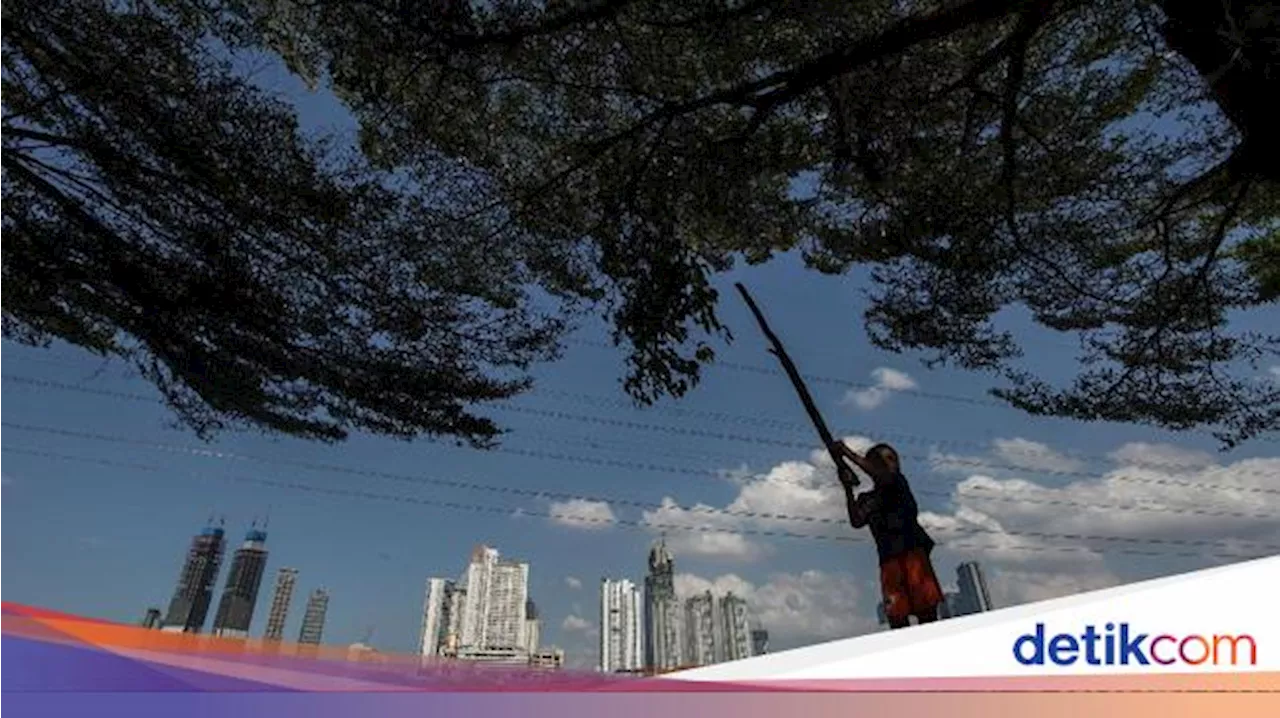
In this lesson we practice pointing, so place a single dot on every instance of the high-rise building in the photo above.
(286, 578)
(313, 620)
(702, 629)
(759, 641)
(532, 627)
(189, 606)
(973, 596)
(736, 632)
(436, 623)
(152, 619)
(493, 612)
(663, 613)
(621, 629)
(240, 595)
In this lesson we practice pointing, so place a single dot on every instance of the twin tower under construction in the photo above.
(193, 596)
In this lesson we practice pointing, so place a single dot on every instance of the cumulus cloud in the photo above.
(573, 582)
(582, 514)
(1026, 454)
(1161, 456)
(796, 608)
(702, 530)
(1155, 509)
(885, 381)
(576, 624)
(1013, 454)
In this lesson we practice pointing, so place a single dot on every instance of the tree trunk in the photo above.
(1235, 46)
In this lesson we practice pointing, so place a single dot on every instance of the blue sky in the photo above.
(108, 541)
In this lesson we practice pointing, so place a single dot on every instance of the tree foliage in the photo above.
(161, 208)
(1108, 165)
(1093, 162)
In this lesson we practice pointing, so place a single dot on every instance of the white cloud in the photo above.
(790, 489)
(1275, 372)
(573, 583)
(582, 514)
(1035, 538)
(1040, 541)
(577, 624)
(707, 533)
(796, 608)
(885, 381)
(1014, 454)
(1033, 455)
(1161, 456)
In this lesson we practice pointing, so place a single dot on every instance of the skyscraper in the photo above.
(436, 608)
(736, 632)
(702, 629)
(240, 595)
(663, 614)
(493, 611)
(759, 641)
(189, 606)
(973, 596)
(286, 578)
(532, 628)
(621, 629)
(313, 620)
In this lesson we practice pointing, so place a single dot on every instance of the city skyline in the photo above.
(485, 615)
(371, 552)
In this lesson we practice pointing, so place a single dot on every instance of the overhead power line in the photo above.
(471, 485)
(972, 491)
(970, 462)
(850, 383)
(658, 525)
(589, 399)
(820, 379)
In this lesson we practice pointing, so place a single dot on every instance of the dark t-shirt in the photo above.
(893, 519)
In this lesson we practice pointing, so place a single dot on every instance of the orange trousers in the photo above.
(909, 585)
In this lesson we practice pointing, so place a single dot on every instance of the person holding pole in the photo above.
(907, 581)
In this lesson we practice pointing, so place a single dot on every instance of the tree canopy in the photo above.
(1109, 166)
(161, 208)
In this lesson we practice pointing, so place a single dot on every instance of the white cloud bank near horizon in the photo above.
(1026, 514)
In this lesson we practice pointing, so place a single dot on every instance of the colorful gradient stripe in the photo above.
(59, 664)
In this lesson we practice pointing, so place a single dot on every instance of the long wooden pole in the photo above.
(794, 374)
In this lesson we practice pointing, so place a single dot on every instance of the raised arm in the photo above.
(871, 468)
